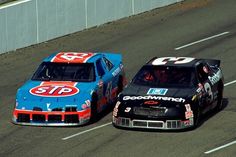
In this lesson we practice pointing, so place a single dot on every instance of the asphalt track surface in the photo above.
(155, 33)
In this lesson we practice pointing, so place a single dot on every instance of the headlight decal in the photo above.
(86, 105)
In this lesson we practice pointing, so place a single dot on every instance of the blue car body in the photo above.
(69, 88)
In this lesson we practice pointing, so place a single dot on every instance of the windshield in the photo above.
(165, 76)
(49, 71)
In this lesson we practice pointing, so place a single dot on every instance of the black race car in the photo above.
(170, 93)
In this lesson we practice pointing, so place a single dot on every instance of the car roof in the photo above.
(174, 61)
(73, 57)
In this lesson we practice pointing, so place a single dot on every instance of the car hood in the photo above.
(52, 95)
(155, 96)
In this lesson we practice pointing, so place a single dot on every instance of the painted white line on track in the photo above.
(83, 132)
(229, 83)
(228, 144)
(221, 147)
(202, 40)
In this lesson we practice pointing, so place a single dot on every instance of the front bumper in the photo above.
(152, 124)
(49, 118)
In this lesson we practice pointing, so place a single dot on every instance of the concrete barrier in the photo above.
(27, 22)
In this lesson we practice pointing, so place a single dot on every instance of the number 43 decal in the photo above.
(72, 57)
(176, 60)
(109, 91)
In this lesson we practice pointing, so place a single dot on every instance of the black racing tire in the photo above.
(219, 105)
(197, 116)
(94, 106)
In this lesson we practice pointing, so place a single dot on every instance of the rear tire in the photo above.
(219, 105)
(196, 120)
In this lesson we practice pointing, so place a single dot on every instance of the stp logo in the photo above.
(54, 90)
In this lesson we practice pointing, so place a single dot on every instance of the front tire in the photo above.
(196, 115)
(94, 110)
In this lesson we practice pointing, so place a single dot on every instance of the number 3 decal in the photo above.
(176, 60)
(207, 88)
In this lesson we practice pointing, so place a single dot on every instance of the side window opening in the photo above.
(202, 71)
(210, 72)
(108, 63)
(100, 69)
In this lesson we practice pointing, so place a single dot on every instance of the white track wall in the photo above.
(28, 22)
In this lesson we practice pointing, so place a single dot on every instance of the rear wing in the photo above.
(213, 62)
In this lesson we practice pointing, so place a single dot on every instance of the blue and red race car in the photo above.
(69, 88)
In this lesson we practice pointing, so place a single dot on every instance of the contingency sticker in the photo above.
(157, 91)
(189, 112)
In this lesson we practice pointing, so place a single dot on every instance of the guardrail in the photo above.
(27, 22)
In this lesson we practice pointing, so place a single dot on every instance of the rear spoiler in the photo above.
(213, 62)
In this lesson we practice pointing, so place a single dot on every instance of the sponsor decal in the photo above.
(200, 89)
(191, 121)
(54, 90)
(189, 112)
(151, 102)
(186, 123)
(86, 105)
(188, 107)
(48, 106)
(215, 78)
(157, 91)
(72, 57)
(116, 71)
(117, 104)
(100, 83)
(194, 97)
(150, 97)
(115, 110)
